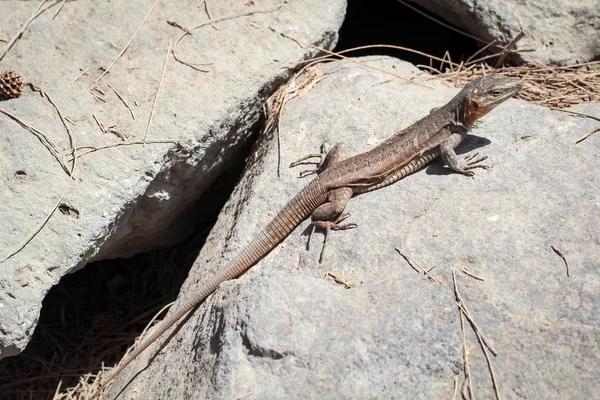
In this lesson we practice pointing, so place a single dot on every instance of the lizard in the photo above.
(339, 178)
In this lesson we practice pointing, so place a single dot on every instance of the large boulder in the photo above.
(556, 32)
(282, 330)
(133, 198)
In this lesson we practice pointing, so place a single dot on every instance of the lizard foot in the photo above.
(329, 226)
(473, 161)
(319, 164)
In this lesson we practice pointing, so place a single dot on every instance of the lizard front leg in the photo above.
(464, 166)
(329, 215)
(326, 159)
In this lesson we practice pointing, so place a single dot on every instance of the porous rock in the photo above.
(133, 198)
(285, 330)
(556, 32)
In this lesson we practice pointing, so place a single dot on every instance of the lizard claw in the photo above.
(329, 226)
(473, 161)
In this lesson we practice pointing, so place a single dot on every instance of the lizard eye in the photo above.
(496, 93)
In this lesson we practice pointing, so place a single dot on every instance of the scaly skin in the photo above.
(436, 134)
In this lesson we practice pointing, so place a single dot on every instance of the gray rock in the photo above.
(282, 331)
(129, 199)
(557, 32)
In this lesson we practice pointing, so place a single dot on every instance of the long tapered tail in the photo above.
(300, 207)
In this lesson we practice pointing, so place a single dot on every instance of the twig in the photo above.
(80, 75)
(92, 149)
(102, 128)
(177, 25)
(469, 273)
(127, 45)
(371, 85)
(587, 135)
(374, 46)
(575, 113)
(123, 100)
(482, 340)
(210, 22)
(508, 49)
(417, 267)
(67, 186)
(62, 4)
(23, 28)
(561, 255)
(481, 50)
(455, 388)
(158, 91)
(43, 138)
(340, 280)
(467, 390)
(331, 53)
(441, 23)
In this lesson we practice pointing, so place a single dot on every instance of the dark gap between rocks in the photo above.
(390, 22)
(93, 315)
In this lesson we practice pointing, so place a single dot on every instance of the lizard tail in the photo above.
(300, 207)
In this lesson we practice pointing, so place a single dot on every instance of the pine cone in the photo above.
(11, 84)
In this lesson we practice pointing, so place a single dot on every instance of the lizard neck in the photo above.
(458, 111)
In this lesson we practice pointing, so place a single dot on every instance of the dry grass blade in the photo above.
(160, 82)
(18, 35)
(127, 45)
(123, 100)
(417, 267)
(561, 255)
(92, 149)
(587, 135)
(67, 186)
(211, 22)
(339, 54)
(480, 337)
(556, 87)
(42, 137)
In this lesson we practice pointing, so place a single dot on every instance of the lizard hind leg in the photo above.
(329, 216)
(326, 159)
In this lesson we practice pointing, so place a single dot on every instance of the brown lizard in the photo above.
(325, 198)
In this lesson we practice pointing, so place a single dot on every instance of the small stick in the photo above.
(413, 263)
(126, 46)
(102, 128)
(371, 85)
(213, 21)
(91, 149)
(575, 112)
(331, 53)
(587, 135)
(561, 255)
(123, 100)
(508, 49)
(467, 272)
(67, 186)
(18, 35)
(455, 387)
(80, 75)
(176, 25)
(43, 138)
(440, 22)
(340, 280)
(481, 50)
(158, 91)
(62, 4)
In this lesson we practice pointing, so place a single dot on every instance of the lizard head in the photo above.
(483, 94)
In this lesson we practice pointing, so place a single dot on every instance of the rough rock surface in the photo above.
(133, 198)
(283, 331)
(557, 32)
